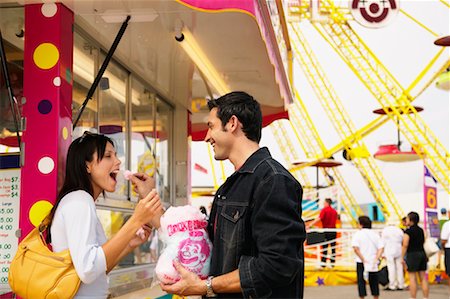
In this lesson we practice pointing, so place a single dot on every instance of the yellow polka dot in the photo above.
(65, 133)
(45, 56)
(38, 211)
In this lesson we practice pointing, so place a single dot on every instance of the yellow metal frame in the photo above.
(314, 145)
(334, 108)
(390, 94)
(288, 150)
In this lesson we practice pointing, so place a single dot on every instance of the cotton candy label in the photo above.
(183, 233)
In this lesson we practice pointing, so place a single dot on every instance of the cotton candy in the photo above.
(127, 174)
(183, 233)
(141, 233)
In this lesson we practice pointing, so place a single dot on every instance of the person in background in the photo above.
(91, 168)
(328, 216)
(403, 224)
(256, 224)
(444, 217)
(445, 240)
(368, 248)
(413, 255)
(392, 237)
(442, 220)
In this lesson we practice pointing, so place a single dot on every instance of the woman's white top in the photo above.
(368, 243)
(392, 238)
(77, 227)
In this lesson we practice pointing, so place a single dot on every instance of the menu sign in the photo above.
(9, 215)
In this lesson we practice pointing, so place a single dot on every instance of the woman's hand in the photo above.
(140, 239)
(405, 265)
(142, 184)
(149, 210)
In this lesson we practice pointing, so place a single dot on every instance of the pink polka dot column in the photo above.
(47, 109)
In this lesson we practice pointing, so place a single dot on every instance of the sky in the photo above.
(405, 49)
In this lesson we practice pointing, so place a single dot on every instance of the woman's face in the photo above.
(103, 173)
(408, 221)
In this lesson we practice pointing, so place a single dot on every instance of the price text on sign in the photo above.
(9, 221)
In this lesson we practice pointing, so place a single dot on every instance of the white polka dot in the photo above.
(57, 81)
(49, 9)
(46, 165)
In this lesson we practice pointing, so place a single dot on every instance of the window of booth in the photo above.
(142, 131)
(112, 119)
(11, 25)
(148, 252)
(164, 116)
(85, 57)
(151, 137)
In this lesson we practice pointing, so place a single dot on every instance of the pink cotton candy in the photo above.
(186, 241)
(127, 174)
(141, 233)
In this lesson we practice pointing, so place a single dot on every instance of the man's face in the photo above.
(218, 136)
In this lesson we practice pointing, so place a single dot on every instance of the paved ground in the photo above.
(351, 291)
(322, 292)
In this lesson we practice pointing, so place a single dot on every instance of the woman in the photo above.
(414, 255)
(91, 168)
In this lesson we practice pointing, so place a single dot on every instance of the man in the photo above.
(255, 223)
(445, 237)
(368, 249)
(328, 216)
(442, 220)
(392, 237)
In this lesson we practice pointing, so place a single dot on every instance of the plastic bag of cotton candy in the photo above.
(186, 240)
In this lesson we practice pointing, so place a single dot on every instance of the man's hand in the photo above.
(189, 284)
(142, 184)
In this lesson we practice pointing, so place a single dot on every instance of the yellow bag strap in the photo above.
(44, 225)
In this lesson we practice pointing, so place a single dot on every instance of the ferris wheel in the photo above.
(339, 26)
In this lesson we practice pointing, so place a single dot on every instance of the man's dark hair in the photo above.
(365, 221)
(329, 201)
(244, 107)
(413, 217)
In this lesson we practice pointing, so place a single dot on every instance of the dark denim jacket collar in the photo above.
(254, 160)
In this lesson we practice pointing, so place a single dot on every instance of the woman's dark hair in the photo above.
(413, 217)
(244, 107)
(365, 221)
(81, 151)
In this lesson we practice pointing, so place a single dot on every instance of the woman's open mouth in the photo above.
(113, 175)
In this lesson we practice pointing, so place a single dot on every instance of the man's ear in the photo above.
(233, 123)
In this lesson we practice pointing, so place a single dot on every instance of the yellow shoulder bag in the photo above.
(38, 273)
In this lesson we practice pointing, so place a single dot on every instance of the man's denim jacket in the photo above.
(255, 226)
